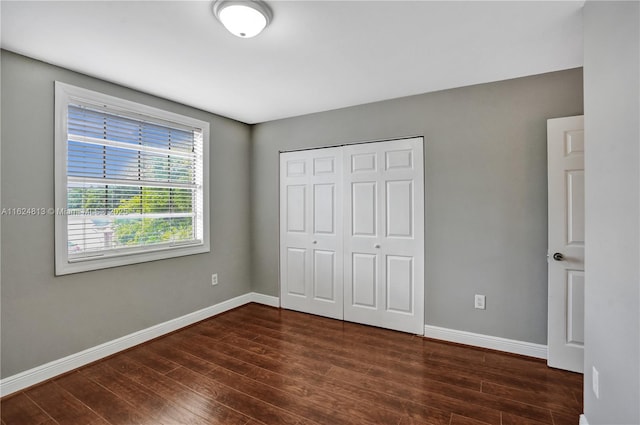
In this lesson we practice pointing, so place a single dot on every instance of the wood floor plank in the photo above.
(355, 392)
(416, 394)
(173, 350)
(468, 356)
(216, 413)
(319, 406)
(279, 371)
(408, 420)
(522, 379)
(342, 333)
(462, 420)
(468, 396)
(400, 361)
(153, 405)
(144, 355)
(259, 365)
(20, 409)
(316, 359)
(113, 408)
(367, 357)
(237, 400)
(230, 357)
(561, 418)
(100, 422)
(216, 327)
(306, 382)
(510, 419)
(533, 376)
(553, 401)
(62, 406)
(302, 345)
(519, 363)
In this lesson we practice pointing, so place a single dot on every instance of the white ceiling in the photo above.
(315, 55)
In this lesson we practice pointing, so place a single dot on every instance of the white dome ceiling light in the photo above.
(243, 18)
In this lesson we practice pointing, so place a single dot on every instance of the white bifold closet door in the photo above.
(352, 233)
(311, 231)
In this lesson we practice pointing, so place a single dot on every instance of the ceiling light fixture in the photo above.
(243, 18)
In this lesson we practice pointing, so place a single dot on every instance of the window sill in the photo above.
(65, 266)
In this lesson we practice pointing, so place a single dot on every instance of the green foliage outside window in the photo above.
(154, 230)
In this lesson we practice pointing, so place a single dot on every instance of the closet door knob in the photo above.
(314, 242)
(377, 245)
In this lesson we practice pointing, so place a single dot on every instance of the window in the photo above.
(130, 181)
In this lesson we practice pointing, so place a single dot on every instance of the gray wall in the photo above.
(485, 158)
(44, 317)
(485, 191)
(612, 137)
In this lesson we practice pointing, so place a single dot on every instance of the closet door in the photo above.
(311, 233)
(384, 234)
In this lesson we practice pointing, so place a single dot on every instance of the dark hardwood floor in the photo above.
(261, 365)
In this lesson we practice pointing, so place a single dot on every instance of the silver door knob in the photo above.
(314, 242)
(558, 256)
(377, 245)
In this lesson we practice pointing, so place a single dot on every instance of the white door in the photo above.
(311, 231)
(565, 153)
(384, 234)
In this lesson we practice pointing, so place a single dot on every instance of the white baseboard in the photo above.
(487, 341)
(583, 420)
(265, 299)
(49, 370)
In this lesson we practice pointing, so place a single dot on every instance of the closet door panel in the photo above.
(311, 255)
(384, 234)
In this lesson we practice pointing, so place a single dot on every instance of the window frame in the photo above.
(66, 94)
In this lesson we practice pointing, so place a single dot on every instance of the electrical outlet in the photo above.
(595, 381)
(479, 302)
(214, 279)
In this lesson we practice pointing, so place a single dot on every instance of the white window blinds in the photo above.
(134, 183)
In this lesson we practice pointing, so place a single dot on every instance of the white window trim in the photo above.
(65, 94)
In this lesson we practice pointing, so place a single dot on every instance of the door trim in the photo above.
(363, 142)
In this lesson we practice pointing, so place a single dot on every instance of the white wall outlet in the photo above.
(479, 302)
(214, 279)
(595, 381)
